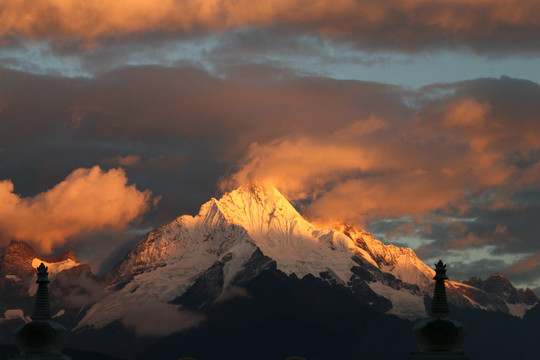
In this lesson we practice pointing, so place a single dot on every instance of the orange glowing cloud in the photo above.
(359, 128)
(298, 167)
(377, 168)
(465, 112)
(87, 200)
(347, 181)
(395, 20)
(526, 264)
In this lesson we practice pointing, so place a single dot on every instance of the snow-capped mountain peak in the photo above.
(252, 229)
(282, 234)
(259, 208)
(251, 222)
(53, 269)
(21, 261)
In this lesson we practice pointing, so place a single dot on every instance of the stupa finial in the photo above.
(42, 272)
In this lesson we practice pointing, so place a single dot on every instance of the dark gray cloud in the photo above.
(364, 152)
(495, 26)
(484, 268)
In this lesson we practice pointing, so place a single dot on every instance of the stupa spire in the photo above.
(41, 338)
(439, 337)
(42, 307)
(439, 307)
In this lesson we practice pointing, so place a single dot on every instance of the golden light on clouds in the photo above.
(465, 112)
(92, 19)
(87, 200)
(373, 168)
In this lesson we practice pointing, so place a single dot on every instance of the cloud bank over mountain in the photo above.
(395, 115)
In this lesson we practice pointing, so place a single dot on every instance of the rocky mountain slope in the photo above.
(195, 262)
(19, 261)
(248, 267)
(499, 285)
(71, 282)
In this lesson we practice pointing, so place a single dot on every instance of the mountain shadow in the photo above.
(285, 316)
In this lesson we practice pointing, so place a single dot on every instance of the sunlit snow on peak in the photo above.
(55, 267)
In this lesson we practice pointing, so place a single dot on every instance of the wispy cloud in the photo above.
(159, 319)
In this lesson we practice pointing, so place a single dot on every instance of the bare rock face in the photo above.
(19, 256)
(498, 284)
(196, 261)
(68, 277)
(18, 260)
(527, 296)
(16, 273)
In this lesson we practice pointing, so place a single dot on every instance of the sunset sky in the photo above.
(418, 120)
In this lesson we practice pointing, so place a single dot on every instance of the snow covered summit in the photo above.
(247, 231)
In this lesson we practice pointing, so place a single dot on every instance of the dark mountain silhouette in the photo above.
(73, 286)
(249, 278)
(498, 284)
(6, 350)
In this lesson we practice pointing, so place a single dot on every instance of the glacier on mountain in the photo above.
(257, 225)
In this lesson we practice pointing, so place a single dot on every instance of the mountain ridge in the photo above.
(498, 284)
(257, 225)
(181, 277)
(16, 259)
(254, 229)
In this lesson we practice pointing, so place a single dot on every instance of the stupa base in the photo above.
(40, 357)
(442, 355)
